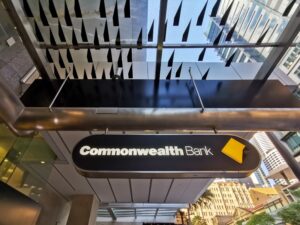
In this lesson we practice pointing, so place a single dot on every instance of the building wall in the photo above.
(273, 159)
(227, 197)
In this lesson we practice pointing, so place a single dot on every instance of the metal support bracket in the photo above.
(197, 92)
(215, 130)
(112, 214)
(59, 90)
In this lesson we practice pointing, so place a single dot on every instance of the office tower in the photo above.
(270, 155)
(253, 20)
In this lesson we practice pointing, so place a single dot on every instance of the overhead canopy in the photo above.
(72, 42)
(144, 105)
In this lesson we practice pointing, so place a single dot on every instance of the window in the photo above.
(243, 57)
(297, 72)
(292, 57)
(293, 140)
(298, 93)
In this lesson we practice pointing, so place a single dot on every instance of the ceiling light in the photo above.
(56, 120)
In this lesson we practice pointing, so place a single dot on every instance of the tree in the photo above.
(291, 214)
(296, 193)
(239, 222)
(261, 219)
(198, 220)
(204, 199)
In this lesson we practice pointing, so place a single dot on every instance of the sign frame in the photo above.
(94, 173)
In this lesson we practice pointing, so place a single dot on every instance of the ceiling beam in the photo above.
(183, 45)
(161, 36)
(143, 205)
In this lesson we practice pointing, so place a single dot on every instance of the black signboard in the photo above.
(160, 156)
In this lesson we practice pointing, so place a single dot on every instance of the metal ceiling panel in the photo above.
(159, 190)
(56, 180)
(187, 190)
(102, 189)
(121, 189)
(140, 189)
(195, 189)
(72, 137)
(178, 188)
(77, 181)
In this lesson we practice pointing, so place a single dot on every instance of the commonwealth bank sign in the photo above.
(162, 151)
(161, 156)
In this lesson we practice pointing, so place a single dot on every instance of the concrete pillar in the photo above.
(83, 210)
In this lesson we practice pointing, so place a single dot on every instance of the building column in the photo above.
(83, 210)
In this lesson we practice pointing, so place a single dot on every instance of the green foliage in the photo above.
(239, 222)
(261, 219)
(296, 193)
(198, 220)
(291, 214)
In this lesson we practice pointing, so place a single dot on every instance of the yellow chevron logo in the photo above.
(234, 150)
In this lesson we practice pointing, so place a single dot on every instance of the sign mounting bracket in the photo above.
(196, 89)
(59, 90)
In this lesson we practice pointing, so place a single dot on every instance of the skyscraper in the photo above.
(259, 177)
(255, 22)
(270, 155)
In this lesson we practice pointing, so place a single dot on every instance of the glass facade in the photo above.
(251, 21)
(253, 18)
(19, 159)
